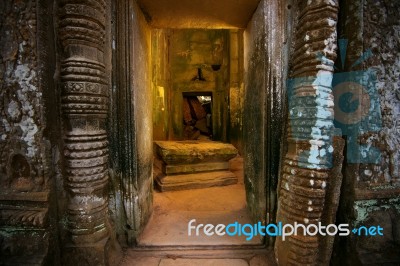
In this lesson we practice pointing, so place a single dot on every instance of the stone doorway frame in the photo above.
(85, 87)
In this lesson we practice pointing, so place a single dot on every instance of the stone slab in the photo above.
(190, 152)
(262, 260)
(141, 261)
(194, 181)
(203, 262)
(194, 168)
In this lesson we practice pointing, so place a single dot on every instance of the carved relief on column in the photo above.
(306, 169)
(84, 106)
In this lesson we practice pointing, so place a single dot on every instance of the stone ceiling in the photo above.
(198, 13)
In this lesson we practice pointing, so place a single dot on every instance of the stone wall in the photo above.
(189, 51)
(130, 123)
(29, 133)
(161, 84)
(236, 90)
(176, 56)
(370, 194)
(263, 115)
(254, 113)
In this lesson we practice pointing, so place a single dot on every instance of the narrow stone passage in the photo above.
(173, 210)
(166, 232)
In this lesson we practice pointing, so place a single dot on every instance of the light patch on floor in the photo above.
(154, 261)
(168, 225)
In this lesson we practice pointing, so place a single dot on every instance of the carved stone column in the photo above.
(305, 176)
(84, 91)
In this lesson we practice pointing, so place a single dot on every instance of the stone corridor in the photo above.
(305, 94)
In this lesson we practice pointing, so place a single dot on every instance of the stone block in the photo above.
(189, 152)
(202, 126)
(195, 168)
(203, 262)
(194, 181)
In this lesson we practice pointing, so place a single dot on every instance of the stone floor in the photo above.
(173, 210)
(153, 261)
(165, 242)
(210, 257)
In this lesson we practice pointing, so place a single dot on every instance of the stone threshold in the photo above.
(211, 255)
(202, 252)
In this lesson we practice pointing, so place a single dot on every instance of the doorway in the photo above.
(147, 105)
(196, 82)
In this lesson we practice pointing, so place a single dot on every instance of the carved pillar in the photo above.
(304, 181)
(84, 106)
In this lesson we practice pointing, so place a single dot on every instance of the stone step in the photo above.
(194, 168)
(194, 181)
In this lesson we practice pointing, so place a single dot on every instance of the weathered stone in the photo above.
(261, 260)
(130, 128)
(203, 262)
(185, 14)
(191, 133)
(194, 164)
(187, 116)
(191, 55)
(188, 152)
(332, 197)
(27, 213)
(262, 106)
(195, 168)
(202, 126)
(306, 167)
(194, 181)
(84, 101)
(36, 85)
(370, 194)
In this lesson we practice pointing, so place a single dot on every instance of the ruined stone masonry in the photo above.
(25, 152)
(84, 83)
(305, 179)
(189, 165)
(370, 194)
(84, 89)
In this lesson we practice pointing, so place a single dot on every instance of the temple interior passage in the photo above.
(215, 205)
(197, 97)
(131, 130)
